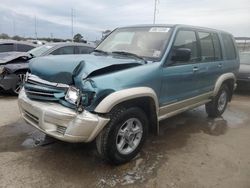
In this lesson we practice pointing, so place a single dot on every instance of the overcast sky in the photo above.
(93, 16)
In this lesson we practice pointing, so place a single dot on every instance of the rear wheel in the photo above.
(123, 137)
(217, 106)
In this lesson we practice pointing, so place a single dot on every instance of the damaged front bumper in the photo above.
(61, 122)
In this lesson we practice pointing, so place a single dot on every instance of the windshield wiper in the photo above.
(129, 54)
(101, 51)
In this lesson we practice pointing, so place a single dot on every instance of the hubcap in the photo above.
(129, 136)
(19, 85)
(222, 101)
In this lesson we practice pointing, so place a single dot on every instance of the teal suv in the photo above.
(136, 77)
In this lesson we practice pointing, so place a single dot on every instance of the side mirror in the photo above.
(181, 54)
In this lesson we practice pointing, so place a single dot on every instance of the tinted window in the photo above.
(6, 47)
(64, 50)
(24, 47)
(217, 47)
(187, 39)
(207, 49)
(83, 50)
(229, 47)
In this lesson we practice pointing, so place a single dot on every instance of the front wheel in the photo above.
(123, 137)
(217, 106)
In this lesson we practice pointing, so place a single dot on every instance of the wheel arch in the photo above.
(142, 97)
(229, 79)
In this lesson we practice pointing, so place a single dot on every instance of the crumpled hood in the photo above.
(63, 68)
(6, 57)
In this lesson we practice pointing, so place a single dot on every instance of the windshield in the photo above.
(245, 58)
(39, 50)
(146, 42)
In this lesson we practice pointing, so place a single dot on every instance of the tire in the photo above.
(217, 106)
(19, 84)
(117, 143)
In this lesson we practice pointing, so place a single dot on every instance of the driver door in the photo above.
(179, 78)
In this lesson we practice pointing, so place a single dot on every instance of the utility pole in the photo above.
(14, 27)
(35, 29)
(72, 22)
(155, 11)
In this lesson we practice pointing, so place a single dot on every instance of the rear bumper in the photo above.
(60, 122)
(8, 81)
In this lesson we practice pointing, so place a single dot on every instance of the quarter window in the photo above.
(229, 47)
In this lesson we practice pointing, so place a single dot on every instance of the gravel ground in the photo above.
(191, 151)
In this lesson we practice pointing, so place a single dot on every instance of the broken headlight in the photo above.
(73, 96)
(1, 69)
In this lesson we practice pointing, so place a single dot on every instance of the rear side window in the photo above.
(229, 47)
(207, 48)
(64, 50)
(6, 47)
(187, 39)
(210, 46)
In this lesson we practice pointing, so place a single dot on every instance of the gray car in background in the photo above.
(15, 46)
(243, 78)
(14, 65)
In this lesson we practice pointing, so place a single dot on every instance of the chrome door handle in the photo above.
(220, 65)
(195, 69)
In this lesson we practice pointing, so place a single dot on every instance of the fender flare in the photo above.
(124, 95)
(221, 79)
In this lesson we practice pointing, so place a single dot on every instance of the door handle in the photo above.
(195, 69)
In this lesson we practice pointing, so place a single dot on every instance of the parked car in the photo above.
(14, 65)
(17, 46)
(136, 77)
(243, 78)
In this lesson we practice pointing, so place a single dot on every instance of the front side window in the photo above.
(24, 47)
(229, 47)
(83, 49)
(64, 50)
(207, 47)
(38, 51)
(187, 39)
(147, 42)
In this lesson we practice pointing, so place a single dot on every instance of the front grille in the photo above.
(36, 88)
(61, 129)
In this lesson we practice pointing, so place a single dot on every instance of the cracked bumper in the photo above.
(60, 122)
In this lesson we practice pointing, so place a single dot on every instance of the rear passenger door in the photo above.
(210, 67)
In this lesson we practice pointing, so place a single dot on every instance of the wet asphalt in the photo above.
(192, 150)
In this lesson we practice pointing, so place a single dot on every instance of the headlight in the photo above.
(1, 69)
(72, 95)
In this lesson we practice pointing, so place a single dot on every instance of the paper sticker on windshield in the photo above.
(159, 29)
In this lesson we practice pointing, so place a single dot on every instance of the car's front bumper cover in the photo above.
(61, 122)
